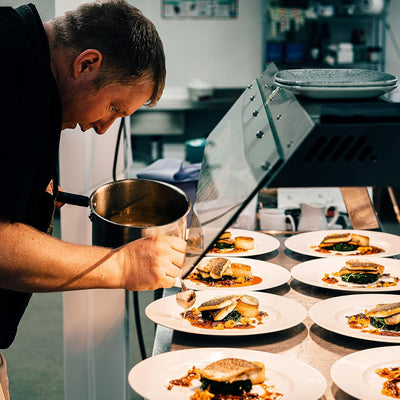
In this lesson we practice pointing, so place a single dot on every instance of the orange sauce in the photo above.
(361, 321)
(391, 387)
(185, 380)
(226, 251)
(254, 280)
(329, 279)
(196, 320)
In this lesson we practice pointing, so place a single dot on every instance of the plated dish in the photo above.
(308, 243)
(324, 273)
(334, 314)
(326, 77)
(276, 313)
(259, 243)
(338, 92)
(151, 378)
(356, 374)
(266, 276)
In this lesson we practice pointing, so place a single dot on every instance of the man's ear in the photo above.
(86, 62)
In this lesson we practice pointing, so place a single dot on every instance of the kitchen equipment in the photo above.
(126, 210)
(313, 217)
(339, 83)
(185, 297)
(371, 7)
(336, 77)
(275, 219)
(199, 90)
(271, 138)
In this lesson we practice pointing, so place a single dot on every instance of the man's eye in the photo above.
(114, 108)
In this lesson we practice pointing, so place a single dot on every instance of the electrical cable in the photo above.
(136, 308)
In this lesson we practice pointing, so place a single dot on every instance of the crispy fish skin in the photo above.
(219, 267)
(393, 319)
(217, 303)
(234, 369)
(336, 238)
(347, 237)
(213, 264)
(384, 310)
(363, 265)
(345, 271)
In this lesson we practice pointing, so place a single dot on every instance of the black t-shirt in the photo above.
(30, 126)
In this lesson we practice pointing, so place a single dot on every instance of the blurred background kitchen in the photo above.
(213, 48)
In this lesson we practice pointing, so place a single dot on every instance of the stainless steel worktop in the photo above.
(306, 342)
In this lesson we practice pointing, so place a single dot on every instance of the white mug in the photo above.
(275, 219)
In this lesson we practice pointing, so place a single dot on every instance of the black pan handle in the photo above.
(72, 198)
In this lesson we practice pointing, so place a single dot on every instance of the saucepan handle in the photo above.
(72, 198)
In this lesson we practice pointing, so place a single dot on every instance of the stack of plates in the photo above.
(336, 83)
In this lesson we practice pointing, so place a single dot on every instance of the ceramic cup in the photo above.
(275, 219)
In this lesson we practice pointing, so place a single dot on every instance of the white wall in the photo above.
(392, 58)
(224, 53)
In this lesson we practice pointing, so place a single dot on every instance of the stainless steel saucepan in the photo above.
(129, 209)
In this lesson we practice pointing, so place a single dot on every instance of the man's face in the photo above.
(91, 108)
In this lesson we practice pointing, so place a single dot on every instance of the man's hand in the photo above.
(152, 262)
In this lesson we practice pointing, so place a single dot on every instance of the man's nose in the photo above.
(103, 125)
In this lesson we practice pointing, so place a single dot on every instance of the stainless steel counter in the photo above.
(306, 342)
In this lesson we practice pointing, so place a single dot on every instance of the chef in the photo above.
(97, 63)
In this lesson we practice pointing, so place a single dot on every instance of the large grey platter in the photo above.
(338, 77)
(338, 92)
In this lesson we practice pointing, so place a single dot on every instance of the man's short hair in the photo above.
(129, 42)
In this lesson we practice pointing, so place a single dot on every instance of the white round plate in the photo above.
(272, 275)
(326, 77)
(311, 272)
(283, 313)
(296, 380)
(263, 243)
(303, 243)
(331, 314)
(338, 92)
(355, 373)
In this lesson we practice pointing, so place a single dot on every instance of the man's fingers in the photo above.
(173, 271)
(177, 243)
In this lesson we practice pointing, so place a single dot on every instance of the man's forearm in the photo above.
(35, 262)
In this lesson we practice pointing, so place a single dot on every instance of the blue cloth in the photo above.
(171, 170)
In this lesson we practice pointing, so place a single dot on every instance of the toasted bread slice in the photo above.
(234, 369)
(239, 269)
(361, 240)
(217, 303)
(393, 319)
(247, 306)
(384, 310)
(336, 238)
(244, 243)
(219, 315)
